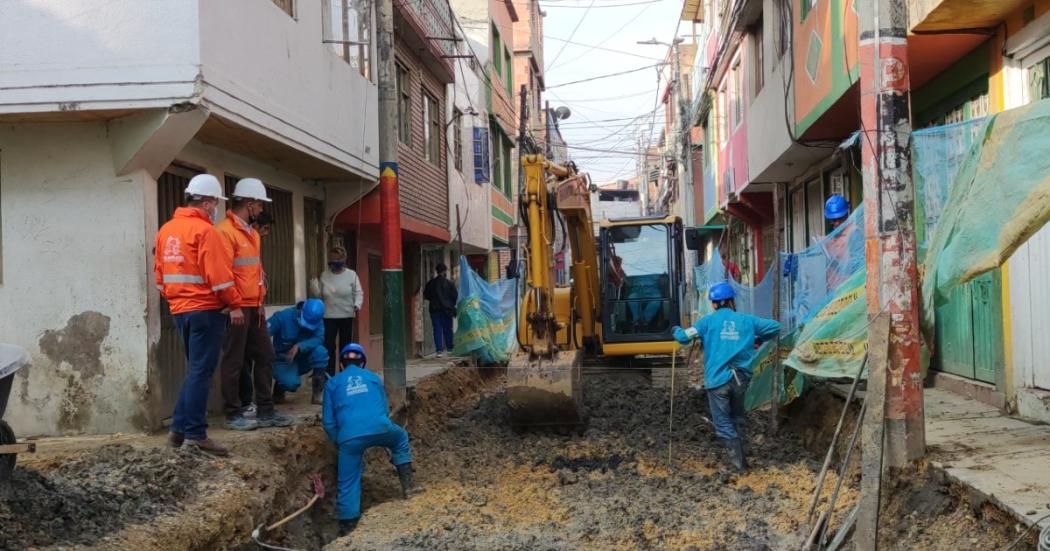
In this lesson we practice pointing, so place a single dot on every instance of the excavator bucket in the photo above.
(545, 393)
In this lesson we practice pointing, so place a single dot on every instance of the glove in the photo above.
(681, 336)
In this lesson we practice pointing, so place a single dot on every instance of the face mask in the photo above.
(355, 362)
(336, 266)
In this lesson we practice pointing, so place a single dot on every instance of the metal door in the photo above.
(987, 295)
(955, 334)
(171, 358)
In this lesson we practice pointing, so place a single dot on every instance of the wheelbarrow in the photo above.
(12, 358)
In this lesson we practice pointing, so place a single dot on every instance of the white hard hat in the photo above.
(205, 185)
(251, 188)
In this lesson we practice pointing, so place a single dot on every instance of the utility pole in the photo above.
(897, 437)
(390, 208)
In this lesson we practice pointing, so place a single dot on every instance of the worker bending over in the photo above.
(298, 344)
(728, 338)
(355, 418)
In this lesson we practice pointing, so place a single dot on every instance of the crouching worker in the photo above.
(298, 344)
(729, 341)
(355, 418)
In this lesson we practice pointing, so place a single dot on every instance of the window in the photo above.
(806, 6)
(313, 232)
(287, 6)
(497, 59)
(404, 104)
(482, 170)
(432, 129)
(457, 139)
(723, 108)
(1038, 77)
(759, 75)
(508, 77)
(375, 294)
(508, 184)
(815, 209)
(347, 29)
(497, 159)
(736, 90)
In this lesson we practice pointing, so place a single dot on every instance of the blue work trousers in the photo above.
(352, 465)
(442, 331)
(727, 406)
(288, 373)
(202, 334)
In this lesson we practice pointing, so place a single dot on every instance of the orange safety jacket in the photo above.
(242, 243)
(194, 271)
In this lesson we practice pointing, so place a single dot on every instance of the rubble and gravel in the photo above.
(89, 497)
(611, 487)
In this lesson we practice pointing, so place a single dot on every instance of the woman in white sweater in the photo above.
(340, 289)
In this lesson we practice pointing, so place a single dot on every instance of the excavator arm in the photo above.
(555, 323)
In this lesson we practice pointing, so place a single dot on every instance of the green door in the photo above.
(986, 292)
(970, 330)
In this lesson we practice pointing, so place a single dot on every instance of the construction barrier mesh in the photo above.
(487, 322)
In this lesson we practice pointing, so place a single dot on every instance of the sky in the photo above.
(613, 114)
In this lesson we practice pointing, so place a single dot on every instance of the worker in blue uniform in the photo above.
(356, 417)
(298, 344)
(729, 339)
(836, 210)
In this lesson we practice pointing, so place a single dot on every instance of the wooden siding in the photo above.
(424, 184)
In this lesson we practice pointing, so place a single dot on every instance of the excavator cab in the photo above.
(642, 284)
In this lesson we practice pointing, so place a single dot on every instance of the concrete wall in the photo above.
(471, 198)
(74, 285)
(272, 73)
(51, 54)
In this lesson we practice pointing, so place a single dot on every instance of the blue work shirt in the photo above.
(354, 405)
(286, 332)
(729, 342)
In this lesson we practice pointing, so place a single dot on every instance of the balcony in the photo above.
(432, 34)
(947, 15)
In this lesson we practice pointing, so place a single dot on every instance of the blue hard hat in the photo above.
(836, 207)
(356, 348)
(312, 313)
(721, 291)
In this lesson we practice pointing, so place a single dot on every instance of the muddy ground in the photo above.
(487, 486)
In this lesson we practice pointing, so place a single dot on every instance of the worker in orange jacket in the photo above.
(249, 342)
(194, 273)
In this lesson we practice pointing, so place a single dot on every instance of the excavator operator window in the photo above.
(637, 274)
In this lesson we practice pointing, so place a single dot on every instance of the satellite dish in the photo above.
(562, 113)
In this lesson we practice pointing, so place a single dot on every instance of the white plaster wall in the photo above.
(73, 245)
(220, 162)
(472, 199)
(75, 55)
(272, 73)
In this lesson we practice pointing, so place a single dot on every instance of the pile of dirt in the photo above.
(611, 487)
(83, 500)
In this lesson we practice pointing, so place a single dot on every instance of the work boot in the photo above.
(240, 422)
(736, 455)
(406, 475)
(208, 446)
(274, 419)
(347, 526)
(318, 389)
(175, 439)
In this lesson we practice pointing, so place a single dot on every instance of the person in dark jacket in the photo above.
(442, 296)
(355, 416)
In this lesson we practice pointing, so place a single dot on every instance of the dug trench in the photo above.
(488, 486)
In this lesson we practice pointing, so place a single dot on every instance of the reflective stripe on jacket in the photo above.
(242, 243)
(192, 267)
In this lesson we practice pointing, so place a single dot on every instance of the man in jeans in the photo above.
(729, 341)
(442, 296)
(194, 274)
(249, 342)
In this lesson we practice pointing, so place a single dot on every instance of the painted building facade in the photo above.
(107, 109)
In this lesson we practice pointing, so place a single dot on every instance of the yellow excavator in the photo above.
(623, 299)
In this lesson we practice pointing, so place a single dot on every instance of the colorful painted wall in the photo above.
(825, 45)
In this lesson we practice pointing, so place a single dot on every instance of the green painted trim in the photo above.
(499, 241)
(502, 216)
(841, 76)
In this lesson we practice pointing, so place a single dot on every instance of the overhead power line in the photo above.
(599, 77)
(612, 50)
(574, 29)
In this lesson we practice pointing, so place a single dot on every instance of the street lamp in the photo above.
(655, 42)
